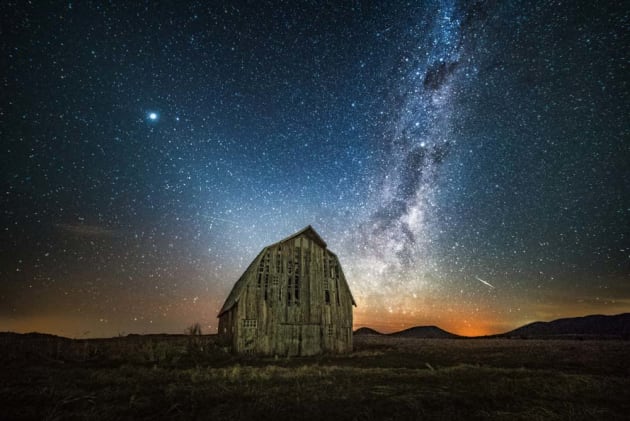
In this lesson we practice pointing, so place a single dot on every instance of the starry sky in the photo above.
(469, 162)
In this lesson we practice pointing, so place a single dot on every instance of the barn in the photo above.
(292, 300)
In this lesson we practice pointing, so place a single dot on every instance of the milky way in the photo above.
(467, 161)
(396, 239)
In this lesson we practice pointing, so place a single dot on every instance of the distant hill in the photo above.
(366, 331)
(29, 336)
(594, 326)
(429, 332)
(587, 327)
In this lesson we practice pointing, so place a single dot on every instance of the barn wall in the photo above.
(226, 325)
(296, 302)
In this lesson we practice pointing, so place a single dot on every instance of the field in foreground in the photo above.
(385, 378)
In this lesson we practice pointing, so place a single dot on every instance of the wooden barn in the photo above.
(293, 299)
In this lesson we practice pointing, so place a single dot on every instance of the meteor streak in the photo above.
(484, 282)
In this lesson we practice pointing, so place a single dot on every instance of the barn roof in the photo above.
(238, 287)
(235, 294)
(354, 303)
(309, 231)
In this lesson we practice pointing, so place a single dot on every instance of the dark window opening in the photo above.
(337, 291)
(266, 285)
(289, 291)
(327, 296)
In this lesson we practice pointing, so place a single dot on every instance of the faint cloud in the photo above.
(85, 230)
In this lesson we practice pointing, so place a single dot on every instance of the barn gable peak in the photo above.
(235, 294)
(308, 231)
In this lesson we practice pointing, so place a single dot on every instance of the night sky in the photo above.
(469, 162)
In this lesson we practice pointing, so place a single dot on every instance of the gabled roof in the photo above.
(235, 294)
(309, 231)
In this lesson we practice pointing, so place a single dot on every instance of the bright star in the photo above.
(153, 116)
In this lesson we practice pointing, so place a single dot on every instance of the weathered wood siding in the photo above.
(296, 301)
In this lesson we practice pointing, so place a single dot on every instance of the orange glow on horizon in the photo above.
(461, 320)
(459, 324)
(484, 328)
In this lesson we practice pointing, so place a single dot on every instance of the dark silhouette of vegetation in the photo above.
(194, 330)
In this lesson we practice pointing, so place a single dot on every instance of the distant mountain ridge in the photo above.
(362, 331)
(428, 332)
(594, 326)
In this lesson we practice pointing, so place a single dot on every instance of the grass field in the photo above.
(385, 378)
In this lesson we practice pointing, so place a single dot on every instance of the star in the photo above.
(433, 158)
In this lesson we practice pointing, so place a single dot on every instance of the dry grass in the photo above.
(385, 378)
